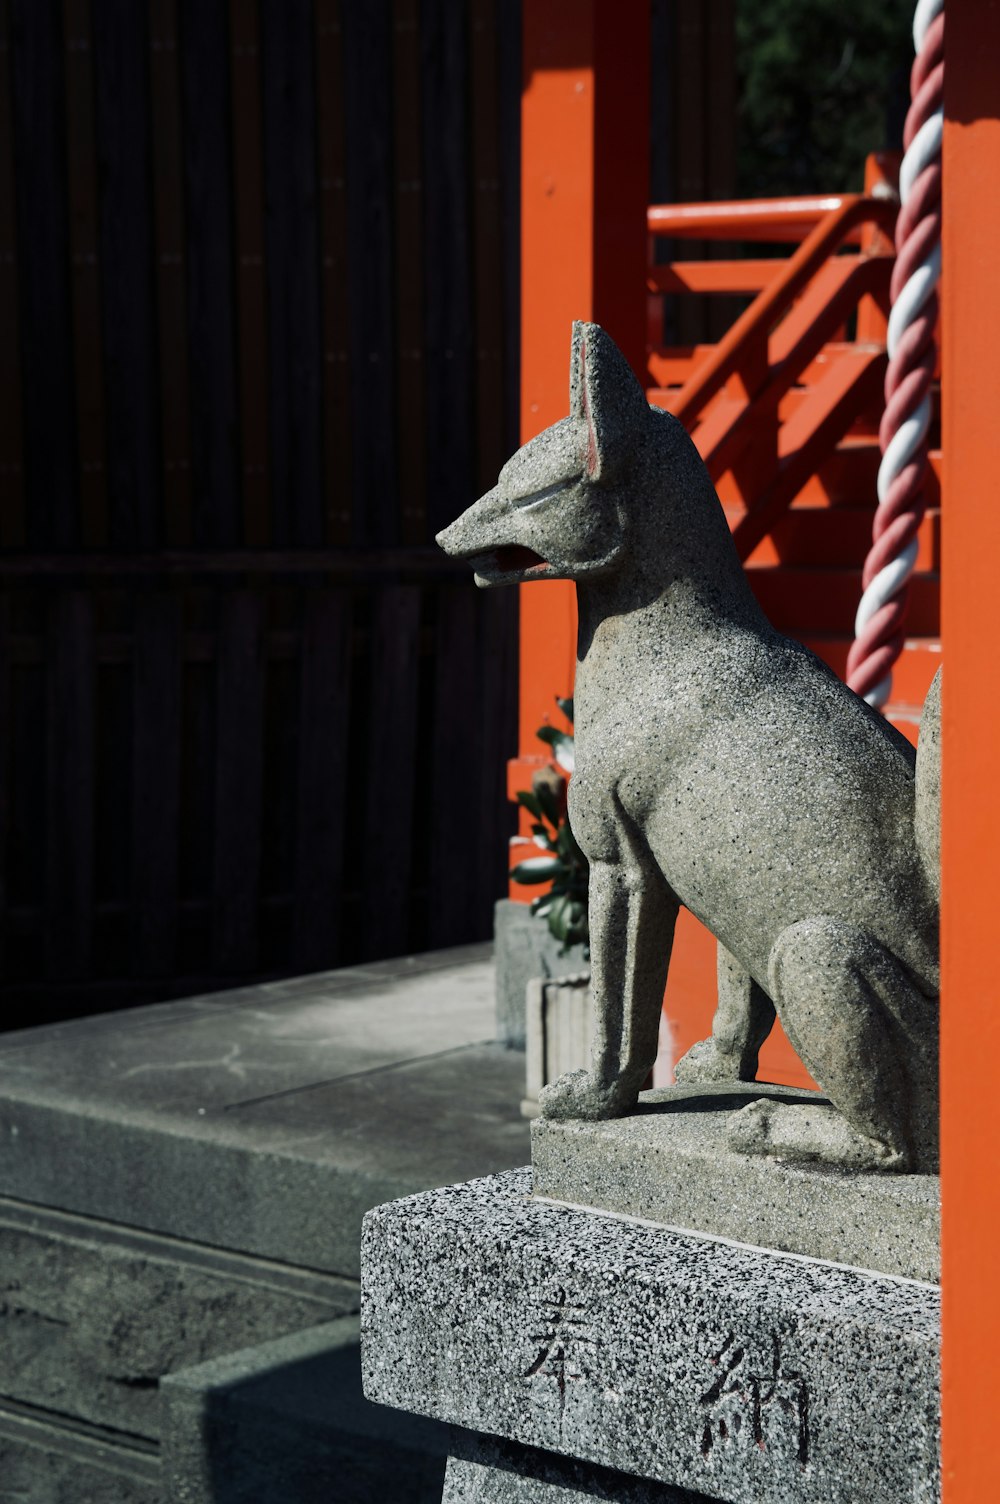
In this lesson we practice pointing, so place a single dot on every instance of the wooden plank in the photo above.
(389, 798)
(448, 261)
(411, 371)
(45, 319)
(238, 780)
(171, 271)
(337, 439)
(487, 243)
(509, 68)
(251, 291)
(661, 102)
(279, 808)
(688, 323)
(367, 42)
(12, 519)
(721, 129)
(324, 723)
(5, 768)
(714, 276)
(24, 739)
(69, 779)
(720, 82)
(454, 835)
(831, 294)
(342, 564)
(619, 43)
(205, 90)
(156, 759)
(81, 144)
(111, 952)
(292, 240)
(810, 436)
(121, 50)
(199, 717)
(496, 820)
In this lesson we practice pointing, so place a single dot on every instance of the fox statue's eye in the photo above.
(547, 493)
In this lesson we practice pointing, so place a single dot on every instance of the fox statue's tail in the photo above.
(927, 816)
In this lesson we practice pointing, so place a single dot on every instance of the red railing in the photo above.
(775, 220)
(770, 402)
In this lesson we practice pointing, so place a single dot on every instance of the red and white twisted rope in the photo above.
(878, 626)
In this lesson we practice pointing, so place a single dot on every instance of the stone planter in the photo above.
(559, 1032)
(524, 948)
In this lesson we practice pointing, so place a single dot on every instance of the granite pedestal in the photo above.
(591, 1355)
(669, 1162)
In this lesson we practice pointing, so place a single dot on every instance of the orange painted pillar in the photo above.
(970, 1015)
(584, 192)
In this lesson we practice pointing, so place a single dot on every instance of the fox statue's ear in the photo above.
(604, 392)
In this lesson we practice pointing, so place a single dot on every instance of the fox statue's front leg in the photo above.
(743, 1019)
(632, 917)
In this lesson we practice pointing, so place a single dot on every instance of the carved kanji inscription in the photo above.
(755, 1400)
(563, 1341)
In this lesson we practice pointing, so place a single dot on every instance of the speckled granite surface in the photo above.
(757, 1378)
(671, 1162)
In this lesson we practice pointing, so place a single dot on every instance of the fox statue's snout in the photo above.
(487, 535)
(556, 511)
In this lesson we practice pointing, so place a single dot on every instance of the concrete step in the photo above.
(45, 1458)
(188, 1179)
(101, 1312)
(300, 1103)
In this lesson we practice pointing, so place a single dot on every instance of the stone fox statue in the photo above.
(722, 766)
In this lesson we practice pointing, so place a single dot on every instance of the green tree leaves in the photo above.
(822, 84)
(564, 906)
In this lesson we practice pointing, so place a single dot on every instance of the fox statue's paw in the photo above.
(581, 1095)
(818, 1134)
(705, 1062)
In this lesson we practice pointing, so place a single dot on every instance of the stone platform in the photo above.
(748, 1376)
(669, 1163)
(185, 1181)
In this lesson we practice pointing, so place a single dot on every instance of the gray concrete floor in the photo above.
(298, 1103)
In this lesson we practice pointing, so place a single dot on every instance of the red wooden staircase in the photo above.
(785, 409)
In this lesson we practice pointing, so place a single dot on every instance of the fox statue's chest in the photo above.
(746, 814)
(622, 768)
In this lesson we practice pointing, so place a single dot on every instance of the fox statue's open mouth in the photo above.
(510, 559)
(514, 556)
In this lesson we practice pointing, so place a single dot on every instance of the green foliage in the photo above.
(560, 860)
(822, 84)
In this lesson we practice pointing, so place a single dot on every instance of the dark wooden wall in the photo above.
(694, 137)
(258, 334)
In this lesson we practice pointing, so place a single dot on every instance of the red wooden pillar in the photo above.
(585, 188)
(585, 128)
(970, 1014)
